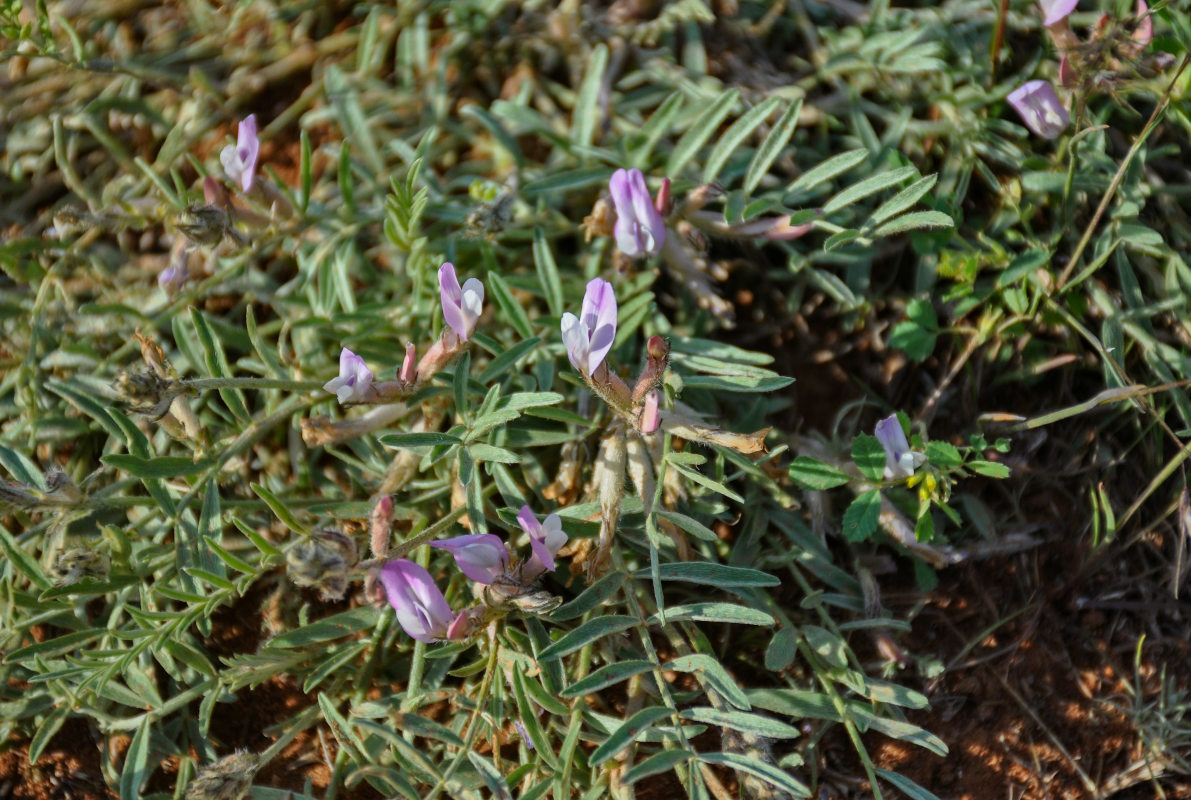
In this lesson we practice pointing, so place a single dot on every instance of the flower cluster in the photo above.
(422, 609)
(1036, 101)
(461, 310)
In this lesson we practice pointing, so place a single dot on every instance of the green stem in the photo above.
(473, 724)
(206, 384)
(1116, 179)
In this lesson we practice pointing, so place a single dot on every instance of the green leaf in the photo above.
(496, 129)
(280, 509)
(506, 359)
(869, 456)
(657, 763)
(351, 118)
(915, 220)
(866, 187)
(860, 520)
(22, 469)
(587, 109)
(217, 366)
(772, 147)
(754, 766)
(427, 728)
(743, 721)
(714, 673)
(509, 306)
(529, 719)
(157, 467)
(25, 564)
(827, 645)
(902, 200)
(402, 441)
(811, 473)
(943, 454)
(136, 761)
(906, 786)
(327, 630)
(990, 469)
(703, 572)
(734, 137)
(711, 611)
(783, 647)
(606, 676)
(703, 480)
(586, 633)
(627, 733)
(591, 597)
(702, 129)
(486, 452)
(46, 731)
(657, 126)
(543, 259)
(690, 525)
(827, 170)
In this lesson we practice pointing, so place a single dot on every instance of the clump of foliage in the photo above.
(555, 554)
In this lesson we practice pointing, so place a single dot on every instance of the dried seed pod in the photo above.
(322, 562)
(73, 564)
(229, 778)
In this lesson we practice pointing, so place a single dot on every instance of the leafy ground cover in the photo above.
(594, 400)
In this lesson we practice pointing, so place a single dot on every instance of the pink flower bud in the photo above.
(650, 419)
(409, 368)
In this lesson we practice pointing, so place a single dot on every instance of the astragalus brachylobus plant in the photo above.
(434, 400)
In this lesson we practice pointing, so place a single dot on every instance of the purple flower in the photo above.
(482, 557)
(546, 538)
(900, 461)
(1040, 108)
(421, 608)
(588, 337)
(639, 229)
(239, 160)
(354, 381)
(1056, 11)
(173, 277)
(461, 307)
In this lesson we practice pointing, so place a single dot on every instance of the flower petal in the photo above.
(421, 608)
(575, 339)
(452, 300)
(482, 557)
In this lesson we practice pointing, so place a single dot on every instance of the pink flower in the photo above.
(546, 538)
(422, 610)
(589, 337)
(1040, 108)
(354, 381)
(482, 557)
(650, 419)
(239, 160)
(461, 307)
(640, 230)
(1055, 11)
